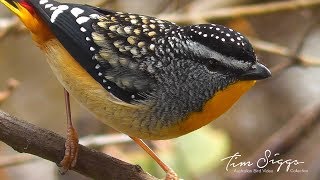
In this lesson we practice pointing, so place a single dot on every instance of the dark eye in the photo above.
(213, 65)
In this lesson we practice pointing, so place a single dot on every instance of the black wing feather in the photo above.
(68, 31)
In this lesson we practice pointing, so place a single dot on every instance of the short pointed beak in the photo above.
(258, 72)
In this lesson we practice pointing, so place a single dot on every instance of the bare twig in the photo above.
(285, 138)
(12, 84)
(27, 138)
(241, 11)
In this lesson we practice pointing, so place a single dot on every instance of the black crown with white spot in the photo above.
(223, 40)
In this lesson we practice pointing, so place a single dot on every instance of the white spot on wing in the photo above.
(43, 1)
(82, 19)
(48, 6)
(92, 49)
(94, 16)
(53, 8)
(134, 21)
(57, 12)
(76, 11)
(83, 29)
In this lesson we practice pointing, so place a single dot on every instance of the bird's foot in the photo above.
(71, 153)
(171, 175)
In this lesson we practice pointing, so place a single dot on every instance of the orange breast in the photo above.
(213, 108)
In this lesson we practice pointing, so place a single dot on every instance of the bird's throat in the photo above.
(216, 106)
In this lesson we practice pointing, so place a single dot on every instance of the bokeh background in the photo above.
(259, 114)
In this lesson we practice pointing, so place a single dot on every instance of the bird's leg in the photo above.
(71, 153)
(170, 174)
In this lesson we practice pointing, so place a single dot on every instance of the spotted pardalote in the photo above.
(146, 77)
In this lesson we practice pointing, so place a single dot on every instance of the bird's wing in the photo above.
(110, 46)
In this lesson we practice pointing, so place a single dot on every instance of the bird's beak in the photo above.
(258, 72)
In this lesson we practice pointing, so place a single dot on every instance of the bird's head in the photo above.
(225, 51)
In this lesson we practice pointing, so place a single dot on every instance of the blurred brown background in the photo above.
(248, 124)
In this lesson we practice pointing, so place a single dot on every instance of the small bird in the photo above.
(145, 77)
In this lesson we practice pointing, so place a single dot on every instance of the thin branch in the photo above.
(89, 141)
(27, 138)
(285, 138)
(241, 11)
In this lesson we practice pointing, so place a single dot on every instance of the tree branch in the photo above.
(27, 138)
